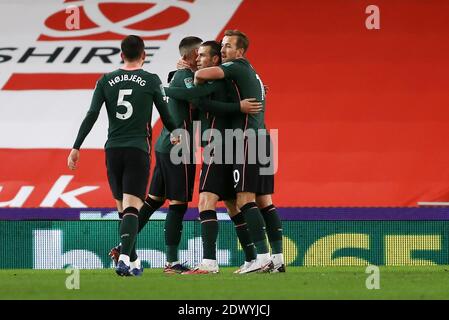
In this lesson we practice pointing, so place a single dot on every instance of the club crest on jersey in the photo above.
(188, 82)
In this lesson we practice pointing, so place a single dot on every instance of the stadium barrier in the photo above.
(57, 238)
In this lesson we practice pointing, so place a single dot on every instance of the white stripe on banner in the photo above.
(51, 118)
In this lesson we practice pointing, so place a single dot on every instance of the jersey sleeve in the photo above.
(161, 104)
(192, 93)
(91, 116)
(216, 107)
(231, 69)
(182, 79)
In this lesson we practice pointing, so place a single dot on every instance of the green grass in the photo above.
(297, 283)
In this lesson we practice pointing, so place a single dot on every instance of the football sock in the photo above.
(120, 217)
(136, 264)
(173, 230)
(263, 257)
(274, 228)
(210, 262)
(124, 258)
(133, 254)
(241, 228)
(128, 229)
(256, 226)
(209, 233)
(278, 259)
(148, 208)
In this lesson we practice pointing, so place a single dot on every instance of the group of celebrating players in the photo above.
(217, 86)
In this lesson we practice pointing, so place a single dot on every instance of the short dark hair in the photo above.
(242, 39)
(187, 44)
(132, 47)
(214, 48)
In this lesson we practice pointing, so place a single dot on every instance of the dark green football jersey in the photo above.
(129, 98)
(217, 102)
(180, 111)
(249, 85)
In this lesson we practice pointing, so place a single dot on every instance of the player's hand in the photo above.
(175, 139)
(73, 158)
(182, 64)
(251, 106)
(197, 81)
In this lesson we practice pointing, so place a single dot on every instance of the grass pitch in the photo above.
(297, 283)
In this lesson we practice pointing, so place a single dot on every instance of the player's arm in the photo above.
(87, 124)
(222, 109)
(228, 70)
(232, 105)
(192, 93)
(161, 105)
(211, 73)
